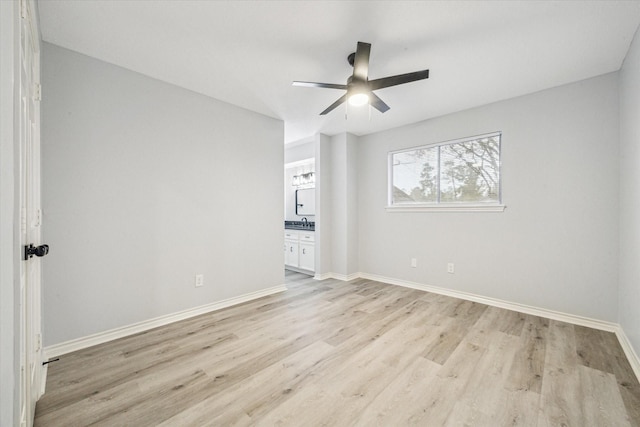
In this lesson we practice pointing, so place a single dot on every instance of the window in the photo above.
(459, 175)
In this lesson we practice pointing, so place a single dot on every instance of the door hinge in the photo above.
(37, 218)
(23, 9)
(37, 92)
(38, 342)
(23, 220)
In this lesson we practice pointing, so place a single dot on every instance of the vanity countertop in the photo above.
(300, 225)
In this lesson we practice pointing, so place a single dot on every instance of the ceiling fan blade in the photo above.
(361, 62)
(334, 105)
(398, 80)
(322, 85)
(378, 103)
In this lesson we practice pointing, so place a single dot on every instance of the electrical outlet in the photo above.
(414, 263)
(450, 268)
(199, 280)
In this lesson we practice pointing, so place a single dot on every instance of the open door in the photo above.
(30, 215)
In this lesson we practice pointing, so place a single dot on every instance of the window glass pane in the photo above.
(470, 171)
(465, 171)
(415, 176)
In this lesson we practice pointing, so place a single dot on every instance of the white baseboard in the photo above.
(337, 276)
(634, 361)
(522, 308)
(345, 277)
(43, 379)
(102, 337)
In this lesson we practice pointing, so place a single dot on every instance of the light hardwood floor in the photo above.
(358, 353)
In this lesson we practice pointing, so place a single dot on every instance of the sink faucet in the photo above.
(305, 221)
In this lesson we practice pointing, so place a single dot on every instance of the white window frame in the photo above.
(438, 206)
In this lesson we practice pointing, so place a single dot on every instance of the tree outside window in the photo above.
(460, 172)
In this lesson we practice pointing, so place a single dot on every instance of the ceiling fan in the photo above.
(359, 88)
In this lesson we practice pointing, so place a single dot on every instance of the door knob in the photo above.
(39, 251)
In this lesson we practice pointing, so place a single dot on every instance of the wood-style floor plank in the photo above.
(348, 353)
(527, 369)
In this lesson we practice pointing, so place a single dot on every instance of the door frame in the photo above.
(9, 216)
(12, 335)
(28, 94)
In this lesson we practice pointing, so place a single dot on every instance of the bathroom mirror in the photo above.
(306, 201)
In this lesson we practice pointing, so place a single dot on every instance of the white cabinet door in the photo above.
(307, 256)
(291, 253)
(299, 249)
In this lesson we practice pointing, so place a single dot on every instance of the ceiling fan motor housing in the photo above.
(351, 58)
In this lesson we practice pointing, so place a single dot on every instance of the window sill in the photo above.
(445, 208)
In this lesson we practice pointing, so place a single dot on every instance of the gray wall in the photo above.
(630, 194)
(299, 150)
(351, 206)
(145, 185)
(344, 204)
(324, 205)
(339, 195)
(556, 244)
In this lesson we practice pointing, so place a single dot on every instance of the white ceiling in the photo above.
(248, 52)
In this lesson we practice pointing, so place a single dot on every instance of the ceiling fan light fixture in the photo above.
(359, 89)
(358, 99)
